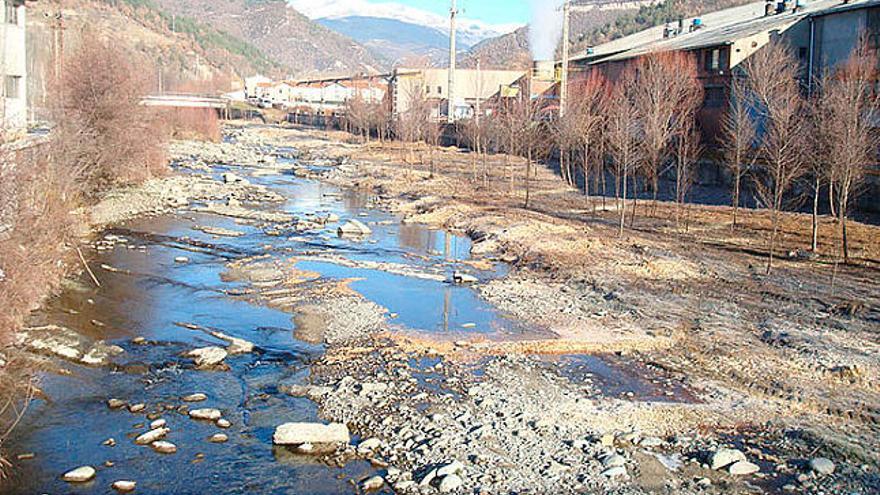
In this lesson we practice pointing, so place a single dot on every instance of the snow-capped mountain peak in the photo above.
(471, 31)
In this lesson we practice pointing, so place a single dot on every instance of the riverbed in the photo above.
(164, 290)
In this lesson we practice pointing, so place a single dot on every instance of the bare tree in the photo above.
(432, 132)
(738, 134)
(592, 99)
(847, 111)
(774, 86)
(412, 120)
(529, 132)
(687, 155)
(623, 139)
(667, 88)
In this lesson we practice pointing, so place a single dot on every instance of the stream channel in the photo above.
(152, 295)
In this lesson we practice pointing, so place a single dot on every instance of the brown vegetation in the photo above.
(103, 137)
(193, 123)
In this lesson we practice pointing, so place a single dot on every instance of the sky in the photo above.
(489, 11)
(497, 15)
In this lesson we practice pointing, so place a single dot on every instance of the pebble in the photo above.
(374, 483)
(110, 442)
(124, 486)
(742, 468)
(136, 408)
(614, 472)
(115, 403)
(454, 467)
(614, 460)
(152, 436)
(821, 465)
(208, 414)
(450, 483)
(181, 259)
(163, 447)
(651, 442)
(369, 445)
(195, 397)
(223, 423)
(159, 423)
(79, 475)
(218, 438)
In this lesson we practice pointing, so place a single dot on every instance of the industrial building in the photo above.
(822, 33)
(471, 88)
(13, 99)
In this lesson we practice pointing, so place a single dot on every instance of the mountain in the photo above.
(175, 54)
(282, 33)
(396, 40)
(398, 31)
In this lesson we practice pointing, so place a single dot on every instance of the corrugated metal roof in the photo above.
(719, 28)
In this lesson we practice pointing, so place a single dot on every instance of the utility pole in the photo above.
(453, 12)
(563, 85)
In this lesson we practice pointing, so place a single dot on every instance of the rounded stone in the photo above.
(79, 475)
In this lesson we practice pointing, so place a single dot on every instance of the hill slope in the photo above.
(281, 32)
(192, 57)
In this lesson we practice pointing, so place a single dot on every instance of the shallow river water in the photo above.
(152, 296)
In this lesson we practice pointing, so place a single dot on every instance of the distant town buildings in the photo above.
(397, 89)
(13, 99)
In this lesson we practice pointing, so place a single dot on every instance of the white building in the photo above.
(13, 99)
(253, 86)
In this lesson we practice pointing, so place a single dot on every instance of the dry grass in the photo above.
(197, 124)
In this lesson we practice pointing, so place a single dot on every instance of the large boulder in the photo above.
(207, 357)
(314, 433)
(724, 457)
(353, 228)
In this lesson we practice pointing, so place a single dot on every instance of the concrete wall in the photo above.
(836, 37)
(14, 107)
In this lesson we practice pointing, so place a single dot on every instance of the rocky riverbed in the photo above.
(276, 319)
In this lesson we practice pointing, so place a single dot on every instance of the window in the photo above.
(712, 61)
(12, 87)
(427, 90)
(11, 13)
(439, 90)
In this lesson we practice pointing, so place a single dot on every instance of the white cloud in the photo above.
(316, 9)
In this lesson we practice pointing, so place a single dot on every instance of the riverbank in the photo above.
(793, 354)
(543, 354)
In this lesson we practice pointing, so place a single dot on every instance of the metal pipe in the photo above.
(563, 85)
(451, 93)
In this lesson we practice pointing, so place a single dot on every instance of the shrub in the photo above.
(103, 135)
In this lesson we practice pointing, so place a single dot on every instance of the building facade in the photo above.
(13, 104)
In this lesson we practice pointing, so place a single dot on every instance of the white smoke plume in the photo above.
(545, 28)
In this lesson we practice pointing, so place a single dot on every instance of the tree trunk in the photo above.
(841, 209)
(736, 186)
(622, 207)
(815, 238)
(831, 199)
(528, 176)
